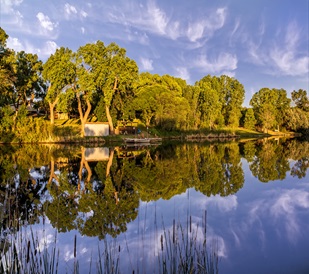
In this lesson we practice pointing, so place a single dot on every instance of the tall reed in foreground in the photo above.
(185, 249)
(29, 253)
(182, 249)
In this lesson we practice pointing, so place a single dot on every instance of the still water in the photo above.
(241, 206)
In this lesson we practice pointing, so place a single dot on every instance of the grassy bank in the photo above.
(38, 130)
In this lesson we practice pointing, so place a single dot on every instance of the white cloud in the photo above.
(45, 22)
(281, 207)
(83, 14)
(157, 17)
(153, 19)
(146, 64)
(195, 31)
(224, 204)
(282, 56)
(69, 9)
(8, 6)
(48, 48)
(224, 62)
(141, 38)
(183, 73)
(205, 28)
(14, 43)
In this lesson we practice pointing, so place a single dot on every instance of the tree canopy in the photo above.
(101, 82)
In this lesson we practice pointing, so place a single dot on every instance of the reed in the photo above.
(183, 249)
(26, 253)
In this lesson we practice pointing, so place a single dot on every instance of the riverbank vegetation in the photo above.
(99, 83)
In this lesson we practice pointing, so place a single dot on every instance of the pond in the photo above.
(209, 207)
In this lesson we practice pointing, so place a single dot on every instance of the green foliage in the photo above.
(19, 128)
(249, 119)
(301, 99)
(28, 81)
(270, 107)
(99, 81)
(297, 120)
(269, 165)
(159, 101)
(220, 101)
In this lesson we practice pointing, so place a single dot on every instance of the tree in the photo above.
(145, 102)
(7, 76)
(301, 99)
(232, 94)
(28, 82)
(191, 93)
(112, 72)
(209, 102)
(270, 106)
(59, 71)
(159, 98)
(249, 120)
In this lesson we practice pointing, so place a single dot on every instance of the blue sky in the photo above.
(261, 43)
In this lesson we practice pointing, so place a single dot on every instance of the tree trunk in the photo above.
(108, 115)
(83, 163)
(110, 121)
(83, 117)
(110, 162)
(51, 110)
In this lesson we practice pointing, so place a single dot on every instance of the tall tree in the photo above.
(7, 75)
(159, 99)
(231, 94)
(301, 99)
(113, 72)
(270, 106)
(59, 72)
(249, 120)
(210, 105)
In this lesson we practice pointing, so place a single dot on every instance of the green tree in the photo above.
(59, 72)
(191, 93)
(301, 99)
(159, 98)
(269, 163)
(232, 94)
(249, 120)
(112, 72)
(270, 106)
(7, 75)
(209, 102)
(28, 82)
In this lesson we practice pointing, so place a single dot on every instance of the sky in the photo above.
(261, 43)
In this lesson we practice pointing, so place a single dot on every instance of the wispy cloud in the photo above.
(8, 6)
(282, 54)
(183, 73)
(224, 62)
(146, 64)
(155, 20)
(71, 11)
(46, 24)
(44, 50)
(10, 9)
(281, 209)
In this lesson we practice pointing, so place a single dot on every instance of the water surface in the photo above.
(251, 198)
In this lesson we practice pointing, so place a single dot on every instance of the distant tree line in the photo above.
(100, 82)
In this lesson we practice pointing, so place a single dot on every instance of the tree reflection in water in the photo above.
(100, 197)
